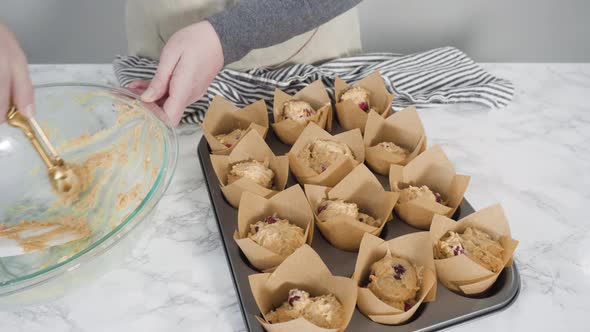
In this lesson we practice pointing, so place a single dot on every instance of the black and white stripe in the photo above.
(440, 76)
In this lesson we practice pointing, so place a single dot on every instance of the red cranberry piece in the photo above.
(361, 219)
(270, 220)
(458, 251)
(322, 208)
(256, 229)
(324, 168)
(307, 112)
(227, 145)
(407, 307)
(293, 299)
(399, 269)
(438, 198)
(364, 106)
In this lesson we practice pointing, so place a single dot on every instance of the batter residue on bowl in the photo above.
(33, 235)
(104, 198)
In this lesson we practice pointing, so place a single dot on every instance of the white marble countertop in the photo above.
(533, 157)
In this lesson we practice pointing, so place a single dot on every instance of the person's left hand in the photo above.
(188, 64)
(15, 82)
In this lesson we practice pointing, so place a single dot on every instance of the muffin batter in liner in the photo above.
(271, 289)
(324, 310)
(350, 115)
(433, 169)
(460, 273)
(320, 154)
(251, 147)
(360, 187)
(223, 117)
(337, 170)
(288, 130)
(257, 171)
(290, 204)
(403, 128)
(411, 247)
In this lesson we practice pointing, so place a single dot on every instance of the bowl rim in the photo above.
(156, 192)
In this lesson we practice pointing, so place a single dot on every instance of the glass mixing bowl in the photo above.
(130, 157)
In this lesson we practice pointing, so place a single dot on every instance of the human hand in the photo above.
(188, 64)
(15, 82)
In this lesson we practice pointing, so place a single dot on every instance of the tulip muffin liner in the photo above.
(222, 117)
(315, 94)
(433, 169)
(360, 187)
(414, 248)
(350, 115)
(403, 128)
(251, 147)
(460, 273)
(304, 269)
(290, 204)
(335, 172)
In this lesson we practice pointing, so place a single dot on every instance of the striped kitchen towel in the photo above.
(440, 76)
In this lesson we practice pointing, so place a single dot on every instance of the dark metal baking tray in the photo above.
(448, 308)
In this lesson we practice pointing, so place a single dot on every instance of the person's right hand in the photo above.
(15, 83)
(188, 64)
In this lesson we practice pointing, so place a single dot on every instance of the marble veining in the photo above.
(533, 157)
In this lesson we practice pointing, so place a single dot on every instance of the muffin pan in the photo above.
(448, 309)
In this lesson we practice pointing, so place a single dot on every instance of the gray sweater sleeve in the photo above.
(252, 24)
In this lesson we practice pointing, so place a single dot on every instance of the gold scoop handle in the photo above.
(18, 120)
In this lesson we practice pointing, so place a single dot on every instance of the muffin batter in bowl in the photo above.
(126, 156)
(71, 211)
(49, 230)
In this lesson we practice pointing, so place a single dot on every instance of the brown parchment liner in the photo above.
(361, 187)
(290, 204)
(339, 169)
(222, 117)
(251, 147)
(304, 269)
(315, 94)
(412, 247)
(460, 273)
(350, 115)
(433, 169)
(403, 128)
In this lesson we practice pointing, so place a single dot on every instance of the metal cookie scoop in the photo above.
(61, 176)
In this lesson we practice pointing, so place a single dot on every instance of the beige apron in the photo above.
(151, 22)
